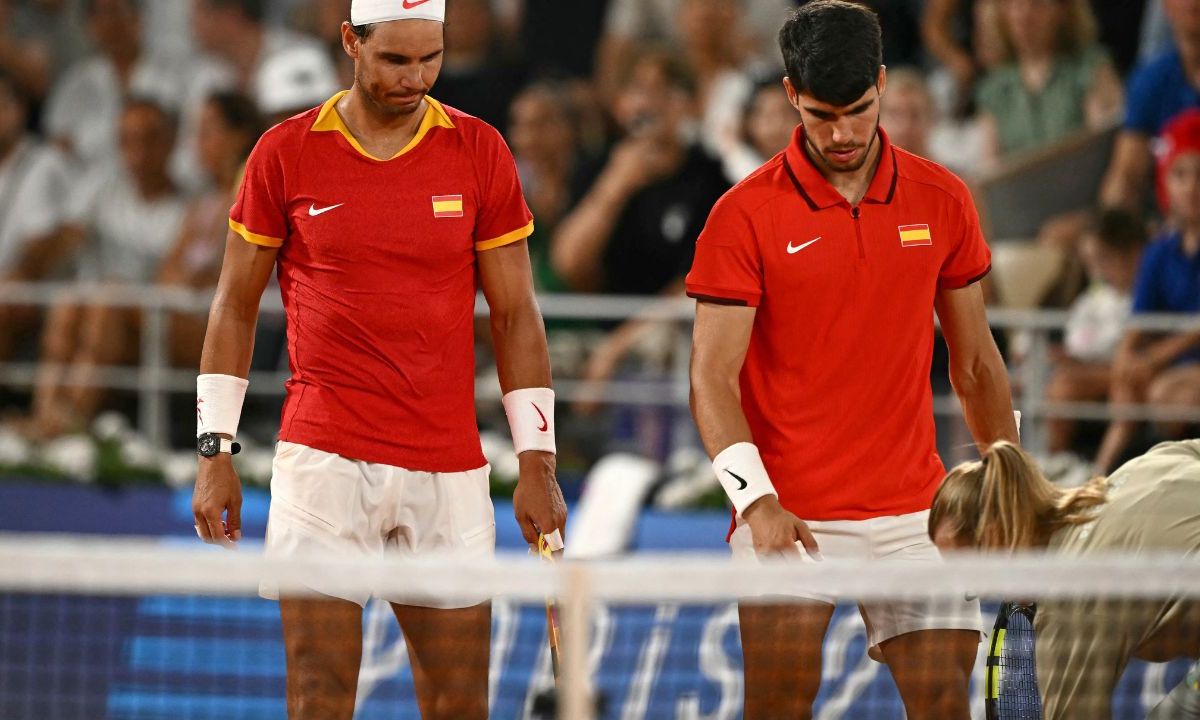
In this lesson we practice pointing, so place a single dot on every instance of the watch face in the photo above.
(207, 445)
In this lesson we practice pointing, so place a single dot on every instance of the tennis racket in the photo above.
(1010, 685)
(552, 631)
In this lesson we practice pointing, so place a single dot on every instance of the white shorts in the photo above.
(898, 537)
(322, 503)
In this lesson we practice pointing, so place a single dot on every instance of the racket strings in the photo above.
(1018, 697)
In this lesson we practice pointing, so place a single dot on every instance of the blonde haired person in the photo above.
(1056, 78)
(1149, 505)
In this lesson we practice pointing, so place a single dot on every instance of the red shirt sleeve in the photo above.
(503, 217)
(969, 260)
(259, 214)
(728, 263)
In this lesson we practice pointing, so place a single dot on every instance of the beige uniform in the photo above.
(1083, 645)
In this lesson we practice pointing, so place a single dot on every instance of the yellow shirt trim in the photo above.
(328, 120)
(255, 238)
(505, 239)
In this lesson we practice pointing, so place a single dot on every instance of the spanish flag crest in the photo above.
(447, 206)
(914, 235)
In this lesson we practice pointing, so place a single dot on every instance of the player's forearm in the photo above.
(983, 389)
(519, 338)
(229, 340)
(717, 409)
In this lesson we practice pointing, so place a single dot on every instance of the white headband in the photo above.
(365, 12)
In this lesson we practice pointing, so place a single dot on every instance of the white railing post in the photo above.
(575, 701)
(152, 393)
(1036, 378)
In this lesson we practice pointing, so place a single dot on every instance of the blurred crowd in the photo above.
(124, 125)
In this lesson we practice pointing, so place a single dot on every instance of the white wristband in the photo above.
(219, 403)
(530, 414)
(740, 471)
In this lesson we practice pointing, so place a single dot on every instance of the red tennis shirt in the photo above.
(835, 385)
(377, 271)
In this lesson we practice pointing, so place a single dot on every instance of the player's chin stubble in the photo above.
(375, 95)
(839, 167)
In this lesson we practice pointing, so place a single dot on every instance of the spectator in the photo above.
(85, 105)
(37, 40)
(291, 83)
(327, 18)
(911, 117)
(1111, 248)
(960, 35)
(240, 52)
(34, 182)
(228, 130)
(631, 23)
(1164, 369)
(543, 131)
(710, 32)
(634, 231)
(1056, 80)
(476, 76)
(127, 221)
(234, 34)
(1159, 90)
(767, 122)
(908, 113)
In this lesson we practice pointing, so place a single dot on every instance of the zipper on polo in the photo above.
(856, 213)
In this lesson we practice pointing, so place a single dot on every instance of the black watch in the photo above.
(209, 444)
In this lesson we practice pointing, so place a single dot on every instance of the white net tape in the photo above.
(69, 564)
(138, 629)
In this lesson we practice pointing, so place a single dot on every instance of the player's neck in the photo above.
(853, 184)
(381, 134)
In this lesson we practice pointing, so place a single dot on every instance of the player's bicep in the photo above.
(245, 272)
(506, 276)
(720, 339)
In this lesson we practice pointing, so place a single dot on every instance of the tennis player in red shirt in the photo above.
(380, 209)
(817, 279)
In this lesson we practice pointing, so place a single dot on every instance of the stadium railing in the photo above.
(154, 380)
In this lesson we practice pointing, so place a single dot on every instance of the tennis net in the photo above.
(138, 629)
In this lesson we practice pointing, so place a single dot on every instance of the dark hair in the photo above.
(255, 10)
(363, 31)
(669, 62)
(832, 50)
(240, 114)
(170, 121)
(1118, 230)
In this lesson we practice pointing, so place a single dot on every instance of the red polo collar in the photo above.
(819, 193)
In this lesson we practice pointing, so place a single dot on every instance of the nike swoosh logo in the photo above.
(409, 5)
(793, 249)
(740, 479)
(313, 211)
(545, 425)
